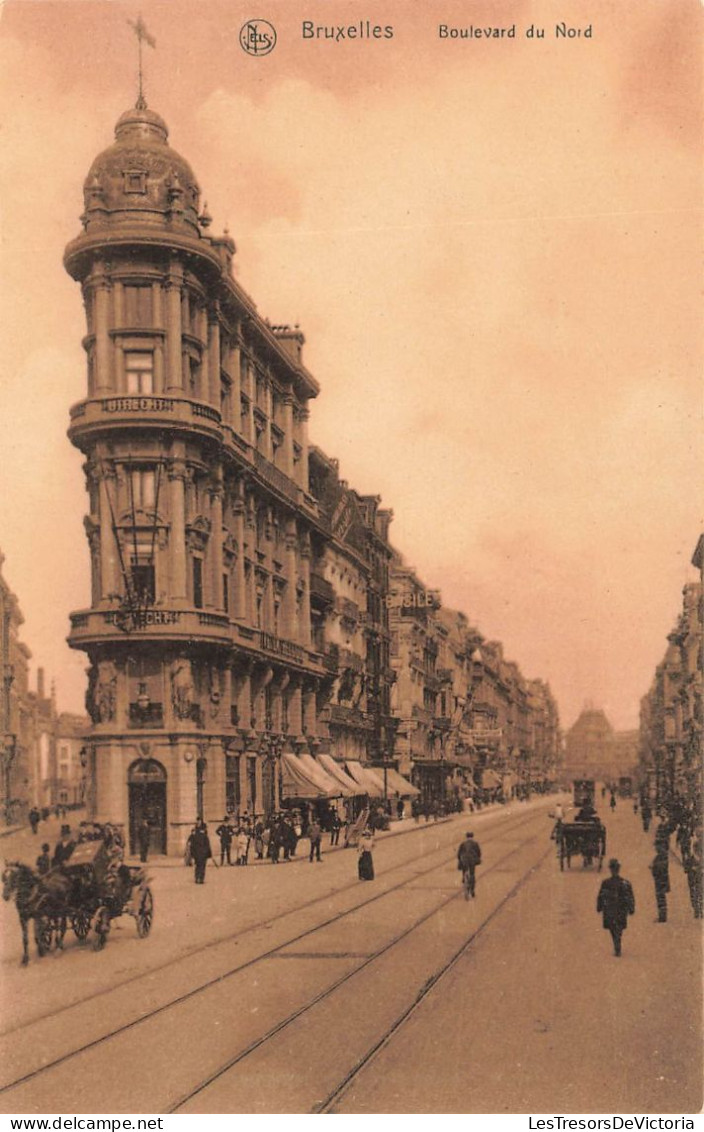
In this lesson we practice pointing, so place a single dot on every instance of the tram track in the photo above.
(200, 949)
(229, 937)
(201, 988)
(327, 993)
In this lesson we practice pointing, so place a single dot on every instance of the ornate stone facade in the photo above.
(200, 525)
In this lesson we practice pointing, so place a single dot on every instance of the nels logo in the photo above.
(257, 37)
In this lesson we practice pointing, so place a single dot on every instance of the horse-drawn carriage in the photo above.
(585, 838)
(88, 891)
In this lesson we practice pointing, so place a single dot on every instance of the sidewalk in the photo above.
(397, 829)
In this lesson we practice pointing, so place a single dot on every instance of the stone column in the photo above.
(310, 717)
(305, 627)
(288, 436)
(304, 449)
(216, 555)
(289, 621)
(109, 556)
(102, 376)
(239, 611)
(234, 372)
(214, 785)
(178, 591)
(174, 380)
(213, 333)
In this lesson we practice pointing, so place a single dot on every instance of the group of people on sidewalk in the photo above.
(276, 839)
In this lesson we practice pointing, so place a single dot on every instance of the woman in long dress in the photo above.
(365, 863)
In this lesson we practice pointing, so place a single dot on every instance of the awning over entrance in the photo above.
(396, 783)
(490, 779)
(365, 778)
(319, 775)
(348, 787)
(297, 782)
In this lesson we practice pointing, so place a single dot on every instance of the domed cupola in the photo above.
(140, 179)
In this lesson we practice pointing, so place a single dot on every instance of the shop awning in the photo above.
(396, 783)
(365, 778)
(318, 773)
(297, 782)
(490, 779)
(348, 787)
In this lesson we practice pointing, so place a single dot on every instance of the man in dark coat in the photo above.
(225, 832)
(660, 869)
(200, 851)
(616, 903)
(646, 815)
(34, 817)
(469, 855)
(315, 834)
(64, 847)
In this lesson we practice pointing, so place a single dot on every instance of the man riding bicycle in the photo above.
(469, 855)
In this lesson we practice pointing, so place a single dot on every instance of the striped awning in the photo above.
(365, 778)
(298, 782)
(396, 783)
(490, 779)
(348, 787)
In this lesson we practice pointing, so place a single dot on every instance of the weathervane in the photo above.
(143, 36)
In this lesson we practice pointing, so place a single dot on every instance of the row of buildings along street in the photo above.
(254, 638)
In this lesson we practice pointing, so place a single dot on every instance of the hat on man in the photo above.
(614, 864)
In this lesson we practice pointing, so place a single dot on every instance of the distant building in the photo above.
(594, 750)
(16, 722)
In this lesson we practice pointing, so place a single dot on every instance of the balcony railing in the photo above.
(276, 478)
(278, 645)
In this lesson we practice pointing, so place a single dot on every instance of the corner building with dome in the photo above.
(205, 541)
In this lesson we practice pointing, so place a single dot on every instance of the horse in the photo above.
(42, 899)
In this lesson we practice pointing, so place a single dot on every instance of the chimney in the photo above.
(40, 683)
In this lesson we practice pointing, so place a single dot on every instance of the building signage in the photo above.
(138, 405)
(142, 618)
(421, 599)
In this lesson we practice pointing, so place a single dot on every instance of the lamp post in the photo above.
(271, 748)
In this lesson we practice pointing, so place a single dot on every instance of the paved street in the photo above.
(297, 989)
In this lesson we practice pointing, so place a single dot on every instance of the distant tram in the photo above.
(583, 791)
(625, 786)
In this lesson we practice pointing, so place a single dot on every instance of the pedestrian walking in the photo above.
(616, 902)
(315, 834)
(34, 817)
(44, 861)
(335, 827)
(612, 802)
(469, 855)
(259, 839)
(199, 850)
(400, 808)
(660, 868)
(646, 816)
(225, 832)
(365, 860)
(143, 836)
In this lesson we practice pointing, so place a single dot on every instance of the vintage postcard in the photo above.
(351, 514)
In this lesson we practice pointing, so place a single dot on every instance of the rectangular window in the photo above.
(232, 783)
(143, 489)
(143, 581)
(226, 592)
(138, 306)
(139, 372)
(198, 583)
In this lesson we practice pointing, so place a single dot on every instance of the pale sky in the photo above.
(493, 248)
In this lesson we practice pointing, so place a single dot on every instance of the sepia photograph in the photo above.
(351, 514)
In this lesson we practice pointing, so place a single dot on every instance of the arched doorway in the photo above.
(146, 782)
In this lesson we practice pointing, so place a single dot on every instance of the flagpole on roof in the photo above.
(140, 30)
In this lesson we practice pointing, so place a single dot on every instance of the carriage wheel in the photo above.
(102, 928)
(43, 935)
(145, 913)
(80, 922)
